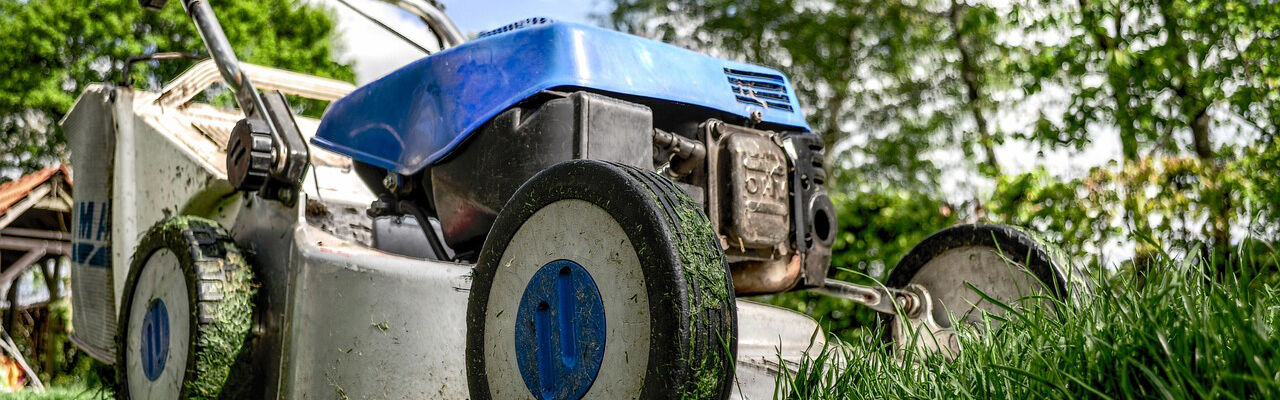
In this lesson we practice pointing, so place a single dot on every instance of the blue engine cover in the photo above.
(416, 115)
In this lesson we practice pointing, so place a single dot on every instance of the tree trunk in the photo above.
(1200, 135)
(831, 132)
(1195, 109)
(973, 88)
(49, 273)
(1117, 78)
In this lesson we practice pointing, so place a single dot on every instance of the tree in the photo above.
(55, 48)
(1173, 77)
(1190, 88)
(885, 83)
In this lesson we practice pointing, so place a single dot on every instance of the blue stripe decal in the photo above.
(91, 255)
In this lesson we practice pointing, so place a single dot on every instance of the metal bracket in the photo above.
(920, 332)
(385, 207)
(879, 298)
(911, 309)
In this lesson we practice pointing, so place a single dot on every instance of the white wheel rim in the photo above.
(161, 280)
(948, 276)
(581, 232)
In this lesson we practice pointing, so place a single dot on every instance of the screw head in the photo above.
(391, 182)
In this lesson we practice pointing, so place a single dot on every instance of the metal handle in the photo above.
(247, 95)
(435, 18)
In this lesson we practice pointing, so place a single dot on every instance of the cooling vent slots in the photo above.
(517, 25)
(759, 88)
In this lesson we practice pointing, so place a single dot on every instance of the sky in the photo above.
(376, 52)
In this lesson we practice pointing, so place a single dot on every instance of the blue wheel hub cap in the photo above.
(155, 339)
(560, 332)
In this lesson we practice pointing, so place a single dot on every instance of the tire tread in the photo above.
(221, 289)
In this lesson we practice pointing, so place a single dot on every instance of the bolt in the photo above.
(910, 305)
(285, 195)
(390, 182)
(757, 116)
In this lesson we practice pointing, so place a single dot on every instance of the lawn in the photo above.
(69, 392)
(1171, 333)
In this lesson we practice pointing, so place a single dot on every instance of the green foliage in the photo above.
(1172, 77)
(72, 392)
(1171, 333)
(1154, 69)
(1077, 214)
(876, 228)
(890, 77)
(1172, 202)
(56, 48)
(1260, 163)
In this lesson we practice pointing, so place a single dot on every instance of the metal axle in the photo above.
(878, 298)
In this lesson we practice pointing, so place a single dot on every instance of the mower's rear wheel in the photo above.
(600, 280)
(187, 313)
(968, 268)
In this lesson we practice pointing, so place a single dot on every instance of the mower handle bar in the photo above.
(247, 96)
(433, 15)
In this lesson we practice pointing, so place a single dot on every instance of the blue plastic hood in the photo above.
(416, 115)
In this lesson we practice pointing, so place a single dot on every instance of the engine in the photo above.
(762, 188)
(448, 139)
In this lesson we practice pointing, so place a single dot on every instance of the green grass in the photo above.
(1172, 333)
(71, 392)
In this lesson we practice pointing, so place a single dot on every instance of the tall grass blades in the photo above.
(1170, 332)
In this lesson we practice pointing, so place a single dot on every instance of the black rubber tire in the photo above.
(693, 331)
(220, 287)
(1046, 261)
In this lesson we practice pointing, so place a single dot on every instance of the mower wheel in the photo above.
(600, 280)
(184, 329)
(965, 267)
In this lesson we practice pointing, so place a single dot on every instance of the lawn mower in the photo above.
(548, 210)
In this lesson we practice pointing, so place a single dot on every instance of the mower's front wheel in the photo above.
(972, 271)
(185, 321)
(604, 281)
